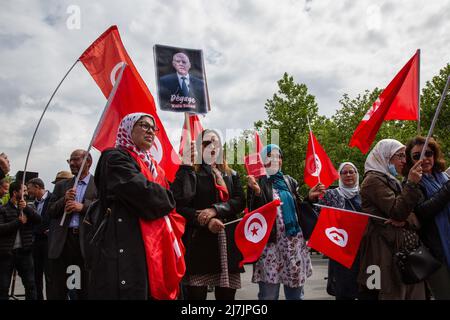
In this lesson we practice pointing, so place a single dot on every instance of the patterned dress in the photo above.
(286, 261)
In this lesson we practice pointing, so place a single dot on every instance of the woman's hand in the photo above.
(215, 225)
(316, 192)
(252, 184)
(205, 215)
(415, 174)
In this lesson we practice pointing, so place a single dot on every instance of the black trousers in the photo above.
(22, 261)
(40, 260)
(59, 273)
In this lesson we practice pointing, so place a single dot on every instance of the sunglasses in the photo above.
(428, 154)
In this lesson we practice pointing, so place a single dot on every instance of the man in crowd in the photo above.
(64, 241)
(42, 198)
(16, 237)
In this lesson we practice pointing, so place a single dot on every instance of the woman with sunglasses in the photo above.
(382, 195)
(208, 195)
(434, 212)
(341, 280)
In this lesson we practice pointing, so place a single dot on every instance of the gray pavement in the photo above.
(315, 287)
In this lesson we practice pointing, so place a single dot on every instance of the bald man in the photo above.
(64, 241)
(181, 91)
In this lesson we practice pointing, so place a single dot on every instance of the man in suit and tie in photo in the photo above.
(64, 241)
(181, 90)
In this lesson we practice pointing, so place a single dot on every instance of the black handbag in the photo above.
(416, 265)
(307, 219)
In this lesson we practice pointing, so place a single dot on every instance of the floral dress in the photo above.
(286, 261)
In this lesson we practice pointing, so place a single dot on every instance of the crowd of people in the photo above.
(43, 233)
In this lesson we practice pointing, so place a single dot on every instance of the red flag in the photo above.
(258, 142)
(254, 165)
(164, 250)
(338, 234)
(196, 128)
(103, 59)
(320, 170)
(398, 101)
(253, 231)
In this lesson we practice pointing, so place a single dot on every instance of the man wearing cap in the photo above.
(62, 175)
(64, 247)
(42, 198)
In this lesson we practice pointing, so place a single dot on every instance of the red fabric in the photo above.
(398, 101)
(258, 142)
(223, 192)
(321, 168)
(254, 165)
(103, 60)
(164, 249)
(343, 227)
(196, 129)
(253, 231)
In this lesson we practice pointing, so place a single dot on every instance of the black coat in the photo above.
(58, 234)
(425, 212)
(39, 229)
(266, 196)
(9, 224)
(120, 269)
(202, 246)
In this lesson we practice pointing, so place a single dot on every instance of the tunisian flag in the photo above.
(253, 162)
(398, 101)
(338, 234)
(103, 60)
(196, 128)
(320, 170)
(164, 250)
(253, 231)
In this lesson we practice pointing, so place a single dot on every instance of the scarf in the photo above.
(288, 204)
(346, 192)
(433, 183)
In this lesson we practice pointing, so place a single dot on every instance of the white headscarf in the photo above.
(380, 156)
(125, 140)
(348, 192)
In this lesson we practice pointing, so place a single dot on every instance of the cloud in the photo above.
(334, 47)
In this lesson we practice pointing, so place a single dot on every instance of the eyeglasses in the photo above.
(400, 155)
(428, 154)
(147, 127)
(350, 172)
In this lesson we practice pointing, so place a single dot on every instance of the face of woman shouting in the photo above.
(210, 148)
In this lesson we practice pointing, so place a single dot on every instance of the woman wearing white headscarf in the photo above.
(341, 280)
(382, 195)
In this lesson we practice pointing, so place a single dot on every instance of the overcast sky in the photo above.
(334, 47)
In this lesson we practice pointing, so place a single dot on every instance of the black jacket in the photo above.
(58, 234)
(9, 224)
(425, 212)
(196, 191)
(39, 229)
(119, 271)
(266, 196)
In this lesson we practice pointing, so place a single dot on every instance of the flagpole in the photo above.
(108, 103)
(313, 147)
(433, 123)
(234, 221)
(350, 211)
(418, 95)
(39, 123)
(187, 142)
